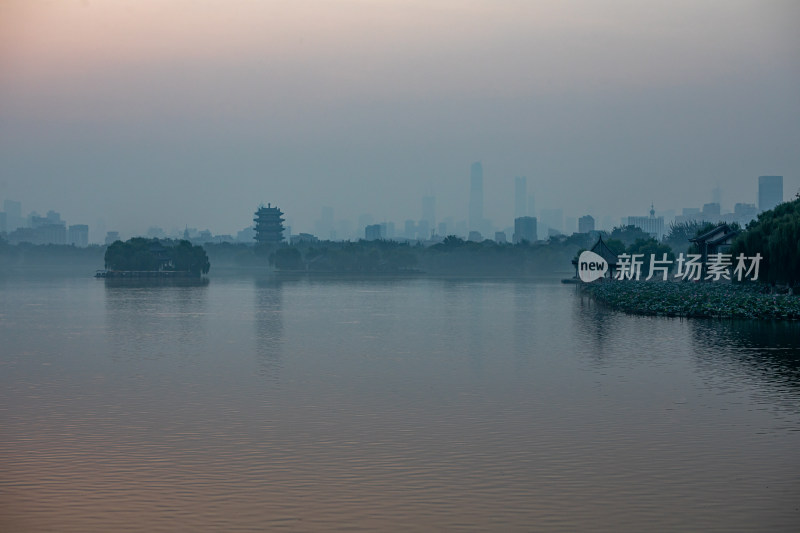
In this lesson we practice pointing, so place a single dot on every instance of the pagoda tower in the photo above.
(269, 225)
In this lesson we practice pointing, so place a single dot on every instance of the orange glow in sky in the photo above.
(591, 85)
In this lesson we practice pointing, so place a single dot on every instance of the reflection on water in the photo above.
(597, 325)
(269, 336)
(387, 404)
(155, 321)
(772, 339)
(763, 352)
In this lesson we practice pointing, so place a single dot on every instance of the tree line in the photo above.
(141, 254)
(775, 234)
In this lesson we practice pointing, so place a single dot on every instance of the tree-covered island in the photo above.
(141, 257)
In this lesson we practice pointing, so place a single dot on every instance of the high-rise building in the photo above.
(53, 217)
(13, 212)
(653, 225)
(712, 212)
(770, 192)
(429, 210)
(524, 229)
(325, 226)
(373, 232)
(586, 224)
(716, 195)
(552, 219)
(423, 230)
(3, 222)
(269, 225)
(476, 196)
(154, 232)
(364, 220)
(112, 237)
(53, 234)
(246, 235)
(409, 229)
(43, 234)
(520, 196)
(744, 213)
(689, 215)
(78, 235)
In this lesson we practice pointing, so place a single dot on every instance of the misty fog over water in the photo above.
(386, 404)
(411, 360)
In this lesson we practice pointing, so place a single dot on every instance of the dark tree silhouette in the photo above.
(140, 254)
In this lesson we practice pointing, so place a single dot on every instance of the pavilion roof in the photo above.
(710, 234)
(602, 249)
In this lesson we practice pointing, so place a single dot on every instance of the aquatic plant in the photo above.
(696, 300)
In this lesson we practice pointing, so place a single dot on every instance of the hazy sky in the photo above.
(173, 113)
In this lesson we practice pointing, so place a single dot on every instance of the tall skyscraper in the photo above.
(716, 195)
(586, 224)
(325, 225)
(429, 210)
(13, 215)
(520, 196)
(423, 230)
(552, 219)
(373, 232)
(78, 235)
(476, 196)
(524, 229)
(770, 192)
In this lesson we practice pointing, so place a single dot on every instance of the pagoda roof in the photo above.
(711, 234)
(602, 249)
(722, 238)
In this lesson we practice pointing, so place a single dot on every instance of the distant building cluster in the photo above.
(36, 229)
(529, 224)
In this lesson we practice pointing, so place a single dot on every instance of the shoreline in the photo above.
(695, 300)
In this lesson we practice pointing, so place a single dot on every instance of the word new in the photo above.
(591, 266)
(691, 267)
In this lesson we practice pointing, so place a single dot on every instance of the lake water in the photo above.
(421, 404)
